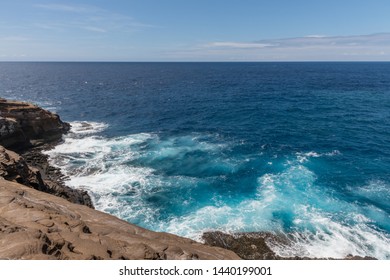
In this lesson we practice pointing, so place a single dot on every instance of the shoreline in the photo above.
(28, 130)
(251, 246)
(42, 218)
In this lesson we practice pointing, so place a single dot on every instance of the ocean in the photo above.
(301, 150)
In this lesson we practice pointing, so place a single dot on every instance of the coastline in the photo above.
(31, 130)
(41, 218)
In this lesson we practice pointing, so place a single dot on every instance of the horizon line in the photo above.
(192, 61)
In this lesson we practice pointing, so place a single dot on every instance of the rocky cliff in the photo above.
(28, 129)
(41, 218)
(23, 125)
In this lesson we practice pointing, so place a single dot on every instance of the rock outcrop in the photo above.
(14, 168)
(23, 125)
(36, 225)
(28, 129)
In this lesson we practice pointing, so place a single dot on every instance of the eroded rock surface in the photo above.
(36, 225)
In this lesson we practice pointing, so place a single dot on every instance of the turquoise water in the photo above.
(299, 149)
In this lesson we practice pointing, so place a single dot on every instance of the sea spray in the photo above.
(154, 183)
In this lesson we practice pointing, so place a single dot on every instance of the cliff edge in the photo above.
(24, 125)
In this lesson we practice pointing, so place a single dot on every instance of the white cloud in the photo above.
(306, 48)
(238, 45)
(381, 39)
(95, 29)
(87, 18)
(66, 8)
(315, 36)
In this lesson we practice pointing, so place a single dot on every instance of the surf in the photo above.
(184, 185)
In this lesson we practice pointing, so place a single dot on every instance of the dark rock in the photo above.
(254, 245)
(29, 129)
(14, 168)
(351, 257)
(248, 246)
(23, 125)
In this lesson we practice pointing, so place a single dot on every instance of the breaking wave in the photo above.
(193, 183)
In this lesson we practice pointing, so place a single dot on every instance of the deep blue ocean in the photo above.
(297, 149)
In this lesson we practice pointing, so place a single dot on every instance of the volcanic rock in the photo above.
(254, 245)
(14, 168)
(23, 125)
(36, 225)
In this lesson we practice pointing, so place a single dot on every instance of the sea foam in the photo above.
(169, 184)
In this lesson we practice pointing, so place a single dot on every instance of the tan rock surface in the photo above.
(36, 225)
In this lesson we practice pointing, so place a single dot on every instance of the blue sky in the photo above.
(194, 30)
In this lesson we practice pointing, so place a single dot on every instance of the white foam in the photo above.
(319, 224)
(303, 157)
(333, 153)
(83, 127)
(376, 190)
(97, 163)
(335, 239)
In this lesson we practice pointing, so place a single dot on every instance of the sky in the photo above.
(195, 30)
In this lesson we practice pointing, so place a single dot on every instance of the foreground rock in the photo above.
(36, 225)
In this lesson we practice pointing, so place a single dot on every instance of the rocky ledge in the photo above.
(41, 218)
(24, 125)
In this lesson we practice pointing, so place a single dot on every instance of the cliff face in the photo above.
(23, 125)
(37, 225)
(26, 128)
